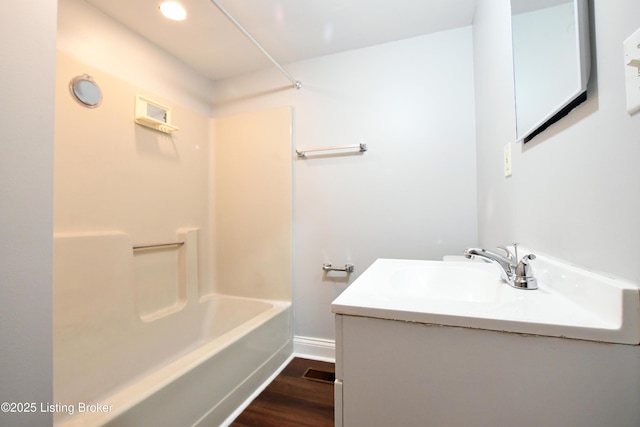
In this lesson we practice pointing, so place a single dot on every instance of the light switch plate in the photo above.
(632, 71)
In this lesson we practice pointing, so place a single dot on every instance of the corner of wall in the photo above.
(28, 76)
(495, 117)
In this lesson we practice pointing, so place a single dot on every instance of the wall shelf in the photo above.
(153, 115)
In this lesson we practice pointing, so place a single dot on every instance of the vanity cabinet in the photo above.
(449, 344)
(399, 373)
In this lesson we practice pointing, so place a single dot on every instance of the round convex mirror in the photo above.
(85, 91)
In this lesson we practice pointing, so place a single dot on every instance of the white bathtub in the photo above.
(204, 385)
(192, 364)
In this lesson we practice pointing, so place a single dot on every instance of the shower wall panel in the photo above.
(252, 163)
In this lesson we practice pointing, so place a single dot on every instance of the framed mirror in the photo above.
(85, 90)
(551, 61)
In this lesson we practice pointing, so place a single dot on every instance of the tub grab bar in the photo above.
(348, 268)
(159, 245)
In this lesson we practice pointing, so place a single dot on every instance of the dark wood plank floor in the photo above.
(292, 401)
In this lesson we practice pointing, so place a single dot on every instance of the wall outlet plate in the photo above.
(632, 71)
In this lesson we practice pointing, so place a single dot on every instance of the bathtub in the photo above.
(191, 363)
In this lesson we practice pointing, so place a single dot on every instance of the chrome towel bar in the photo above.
(361, 148)
(157, 246)
(348, 268)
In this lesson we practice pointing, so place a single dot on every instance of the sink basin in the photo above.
(466, 282)
(570, 302)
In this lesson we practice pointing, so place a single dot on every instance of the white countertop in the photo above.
(570, 302)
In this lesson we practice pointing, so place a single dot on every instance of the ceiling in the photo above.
(291, 30)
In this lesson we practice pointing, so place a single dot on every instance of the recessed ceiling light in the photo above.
(173, 10)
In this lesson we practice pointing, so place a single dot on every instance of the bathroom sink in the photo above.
(463, 282)
(570, 302)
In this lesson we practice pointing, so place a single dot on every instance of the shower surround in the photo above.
(177, 334)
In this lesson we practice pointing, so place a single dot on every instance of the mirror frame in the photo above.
(575, 96)
(86, 100)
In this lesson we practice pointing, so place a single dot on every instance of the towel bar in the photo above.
(361, 148)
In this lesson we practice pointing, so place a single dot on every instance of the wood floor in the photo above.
(291, 400)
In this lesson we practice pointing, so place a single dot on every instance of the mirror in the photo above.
(551, 61)
(85, 91)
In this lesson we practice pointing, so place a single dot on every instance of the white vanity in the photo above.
(436, 343)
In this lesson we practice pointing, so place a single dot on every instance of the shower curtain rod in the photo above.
(297, 84)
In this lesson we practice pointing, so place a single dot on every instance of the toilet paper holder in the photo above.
(327, 266)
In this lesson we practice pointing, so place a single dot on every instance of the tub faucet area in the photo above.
(517, 274)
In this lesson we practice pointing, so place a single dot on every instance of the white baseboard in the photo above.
(314, 348)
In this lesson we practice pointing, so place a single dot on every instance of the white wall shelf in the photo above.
(153, 115)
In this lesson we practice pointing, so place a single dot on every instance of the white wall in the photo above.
(28, 34)
(575, 189)
(412, 195)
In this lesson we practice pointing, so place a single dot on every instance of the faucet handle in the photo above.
(507, 253)
(524, 274)
(510, 256)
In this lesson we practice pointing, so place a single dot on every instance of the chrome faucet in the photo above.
(517, 274)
